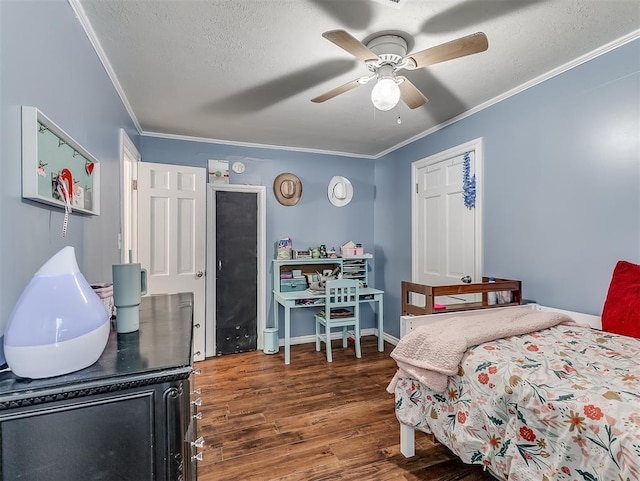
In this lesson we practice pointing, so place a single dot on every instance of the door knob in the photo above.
(199, 274)
(466, 279)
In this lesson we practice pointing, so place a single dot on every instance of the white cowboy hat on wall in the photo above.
(340, 191)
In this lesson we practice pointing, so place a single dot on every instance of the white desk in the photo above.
(293, 300)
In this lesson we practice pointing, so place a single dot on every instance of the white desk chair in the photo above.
(343, 308)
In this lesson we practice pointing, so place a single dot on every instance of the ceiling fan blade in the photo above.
(351, 44)
(410, 94)
(337, 91)
(474, 43)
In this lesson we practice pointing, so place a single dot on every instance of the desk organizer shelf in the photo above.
(350, 267)
(431, 292)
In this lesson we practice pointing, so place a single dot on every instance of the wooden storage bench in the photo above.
(431, 292)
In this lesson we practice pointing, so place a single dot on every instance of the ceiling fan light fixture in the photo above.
(385, 94)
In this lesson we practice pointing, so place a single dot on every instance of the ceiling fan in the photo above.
(385, 55)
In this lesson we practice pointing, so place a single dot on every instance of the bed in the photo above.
(561, 402)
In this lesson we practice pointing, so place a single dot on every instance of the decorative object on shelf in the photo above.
(284, 248)
(287, 188)
(302, 254)
(340, 191)
(52, 162)
(351, 249)
(218, 171)
(59, 325)
(468, 183)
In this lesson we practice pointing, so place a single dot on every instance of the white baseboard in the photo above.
(390, 339)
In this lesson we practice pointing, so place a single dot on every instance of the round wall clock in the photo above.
(238, 167)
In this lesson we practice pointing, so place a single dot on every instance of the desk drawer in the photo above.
(290, 285)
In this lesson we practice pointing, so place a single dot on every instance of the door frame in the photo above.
(476, 146)
(128, 239)
(210, 322)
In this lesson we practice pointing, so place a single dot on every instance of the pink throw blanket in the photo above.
(432, 353)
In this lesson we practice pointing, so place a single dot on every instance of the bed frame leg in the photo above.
(407, 441)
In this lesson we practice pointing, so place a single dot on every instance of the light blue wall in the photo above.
(562, 173)
(47, 62)
(562, 186)
(311, 222)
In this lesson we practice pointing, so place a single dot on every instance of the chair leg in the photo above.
(317, 335)
(356, 332)
(328, 343)
(345, 334)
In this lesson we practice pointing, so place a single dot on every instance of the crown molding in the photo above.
(253, 145)
(521, 88)
(84, 21)
(93, 38)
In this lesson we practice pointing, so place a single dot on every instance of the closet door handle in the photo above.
(219, 265)
(199, 274)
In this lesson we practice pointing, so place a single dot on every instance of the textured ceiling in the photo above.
(244, 71)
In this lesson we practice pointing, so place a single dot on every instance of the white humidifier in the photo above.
(59, 325)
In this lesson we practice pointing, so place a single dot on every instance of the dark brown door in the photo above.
(236, 271)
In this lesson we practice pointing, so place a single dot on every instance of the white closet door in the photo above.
(447, 239)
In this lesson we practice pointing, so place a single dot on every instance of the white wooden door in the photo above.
(171, 235)
(447, 241)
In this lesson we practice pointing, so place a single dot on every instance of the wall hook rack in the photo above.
(42, 145)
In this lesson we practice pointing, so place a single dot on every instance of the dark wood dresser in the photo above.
(128, 417)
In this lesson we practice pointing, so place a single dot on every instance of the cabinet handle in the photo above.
(199, 274)
(197, 402)
(198, 443)
(197, 326)
(197, 353)
(197, 457)
(197, 416)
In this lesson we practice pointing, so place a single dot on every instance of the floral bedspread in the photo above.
(558, 404)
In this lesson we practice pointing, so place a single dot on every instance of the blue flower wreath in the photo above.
(468, 183)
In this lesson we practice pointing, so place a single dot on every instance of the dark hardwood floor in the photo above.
(311, 420)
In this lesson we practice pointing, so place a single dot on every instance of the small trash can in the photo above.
(270, 341)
